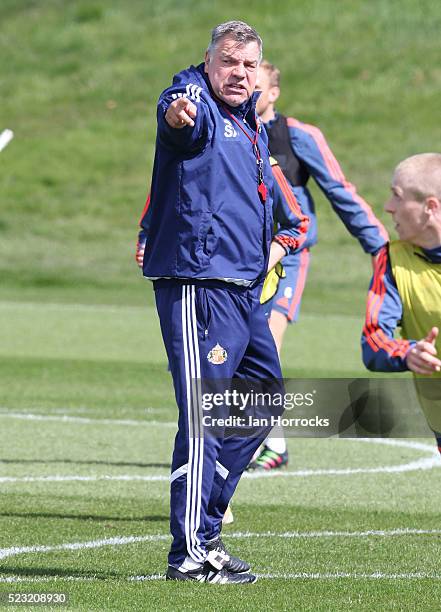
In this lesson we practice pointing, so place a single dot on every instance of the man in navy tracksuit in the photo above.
(209, 241)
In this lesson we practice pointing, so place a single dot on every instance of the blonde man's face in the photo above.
(408, 214)
(268, 92)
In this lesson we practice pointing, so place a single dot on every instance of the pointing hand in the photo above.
(180, 113)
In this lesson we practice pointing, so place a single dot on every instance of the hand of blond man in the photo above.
(422, 357)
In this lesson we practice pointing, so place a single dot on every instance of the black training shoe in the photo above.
(232, 564)
(269, 460)
(206, 573)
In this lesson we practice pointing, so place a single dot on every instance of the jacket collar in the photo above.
(433, 255)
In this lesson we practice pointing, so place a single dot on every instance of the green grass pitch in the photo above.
(87, 425)
(87, 413)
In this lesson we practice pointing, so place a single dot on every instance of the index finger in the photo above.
(180, 113)
(431, 359)
(427, 347)
(185, 117)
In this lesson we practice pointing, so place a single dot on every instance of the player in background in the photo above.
(405, 290)
(303, 152)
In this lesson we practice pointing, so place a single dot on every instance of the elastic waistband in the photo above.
(208, 284)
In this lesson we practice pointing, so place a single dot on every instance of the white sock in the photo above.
(276, 443)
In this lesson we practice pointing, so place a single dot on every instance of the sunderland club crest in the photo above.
(217, 355)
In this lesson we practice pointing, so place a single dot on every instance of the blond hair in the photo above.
(273, 73)
(420, 175)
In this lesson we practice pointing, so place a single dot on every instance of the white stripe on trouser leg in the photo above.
(187, 384)
(195, 373)
(222, 470)
(179, 472)
(190, 435)
(192, 465)
(193, 544)
(199, 441)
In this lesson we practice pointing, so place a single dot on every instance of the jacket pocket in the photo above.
(206, 238)
(210, 241)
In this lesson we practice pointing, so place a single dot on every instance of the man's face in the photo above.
(268, 95)
(408, 214)
(232, 70)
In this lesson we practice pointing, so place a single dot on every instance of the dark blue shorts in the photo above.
(289, 293)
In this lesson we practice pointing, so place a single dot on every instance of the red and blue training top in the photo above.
(302, 151)
(384, 310)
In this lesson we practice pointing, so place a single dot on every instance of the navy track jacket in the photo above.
(205, 218)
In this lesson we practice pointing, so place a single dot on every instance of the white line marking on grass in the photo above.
(75, 412)
(319, 576)
(29, 416)
(403, 443)
(15, 579)
(284, 576)
(13, 551)
(26, 416)
(146, 578)
(355, 575)
(420, 464)
(59, 478)
(336, 534)
(5, 413)
(117, 541)
(425, 463)
(56, 578)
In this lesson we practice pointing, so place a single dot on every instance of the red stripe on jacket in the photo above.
(335, 170)
(375, 336)
(294, 207)
(146, 207)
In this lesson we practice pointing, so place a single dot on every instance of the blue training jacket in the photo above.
(205, 218)
(291, 224)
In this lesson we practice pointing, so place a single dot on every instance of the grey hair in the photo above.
(237, 30)
(420, 175)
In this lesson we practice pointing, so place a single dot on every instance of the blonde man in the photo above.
(302, 153)
(405, 289)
